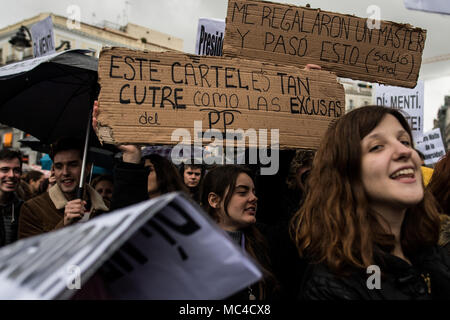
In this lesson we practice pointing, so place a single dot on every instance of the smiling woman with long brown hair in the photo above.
(367, 206)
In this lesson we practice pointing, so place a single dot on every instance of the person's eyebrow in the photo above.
(373, 136)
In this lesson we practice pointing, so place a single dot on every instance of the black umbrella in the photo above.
(98, 156)
(34, 144)
(51, 97)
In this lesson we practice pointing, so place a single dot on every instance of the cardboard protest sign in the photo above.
(43, 37)
(210, 34)
(150, 97)
(165, 248)
(352, 47)
(409, 101)
(431, 146)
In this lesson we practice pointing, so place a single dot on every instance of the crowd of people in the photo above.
(358, 203)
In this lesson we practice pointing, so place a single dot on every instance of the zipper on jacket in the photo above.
(427, 280)
(12, 213)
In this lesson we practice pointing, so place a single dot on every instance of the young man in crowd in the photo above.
(192, 175)
(10, 203)
(59, 207)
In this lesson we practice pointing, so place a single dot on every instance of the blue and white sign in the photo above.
(409, 101)
(437, 6)
(43, 37)
(210, 35)
(431, 146)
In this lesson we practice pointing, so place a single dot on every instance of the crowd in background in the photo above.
(363, 199)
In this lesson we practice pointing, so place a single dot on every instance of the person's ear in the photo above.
(214, 200)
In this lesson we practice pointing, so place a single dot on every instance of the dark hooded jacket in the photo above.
(427, 278)
(9, 218)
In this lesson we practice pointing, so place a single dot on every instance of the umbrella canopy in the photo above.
(34, 144)
(51, 96)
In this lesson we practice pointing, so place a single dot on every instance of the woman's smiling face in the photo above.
(390, 167)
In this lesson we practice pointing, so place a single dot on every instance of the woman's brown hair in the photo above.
(221, 180)
(167, 175)
(335, 225)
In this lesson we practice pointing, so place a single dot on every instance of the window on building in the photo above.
(350, 104)
(7, 139)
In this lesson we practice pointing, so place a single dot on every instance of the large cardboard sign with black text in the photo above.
(146, 97)
(352, 47)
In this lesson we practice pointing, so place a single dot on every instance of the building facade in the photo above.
(78, 36)
(443, 122)
(357, 94)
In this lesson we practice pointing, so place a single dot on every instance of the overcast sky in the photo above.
(179, 18)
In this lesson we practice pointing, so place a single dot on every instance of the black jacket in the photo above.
(427, 278)
(130, 185)
(6, 211)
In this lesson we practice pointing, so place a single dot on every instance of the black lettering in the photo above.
(291, 85)
(303, 102)
(203, 75)
(331, 106)
(322, 58)
(265, 15)
(265, 39)
(165, 97)
(195, 101)
(236, 6)
(293, 101)
(112, 66)
(322, 24)
(132, 68)
(273, 18)
(292, 46)
(242, 36)
(246, 14)
(140, 66)
(153, 70)
(202, 40)
(206, 104)
(236, 99)
(281, 80)
(178, 97)
(123, 101)
(173, 72)
(240, 82)
(220, 99)
(301, 84)
(143, 97)
(217, 74)
(305, 42)
(285, 26)
(262, 102)
(154, 89)
(229, 76)
(275, 103)
(186, 73)
(253, 82)
(280, 42)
